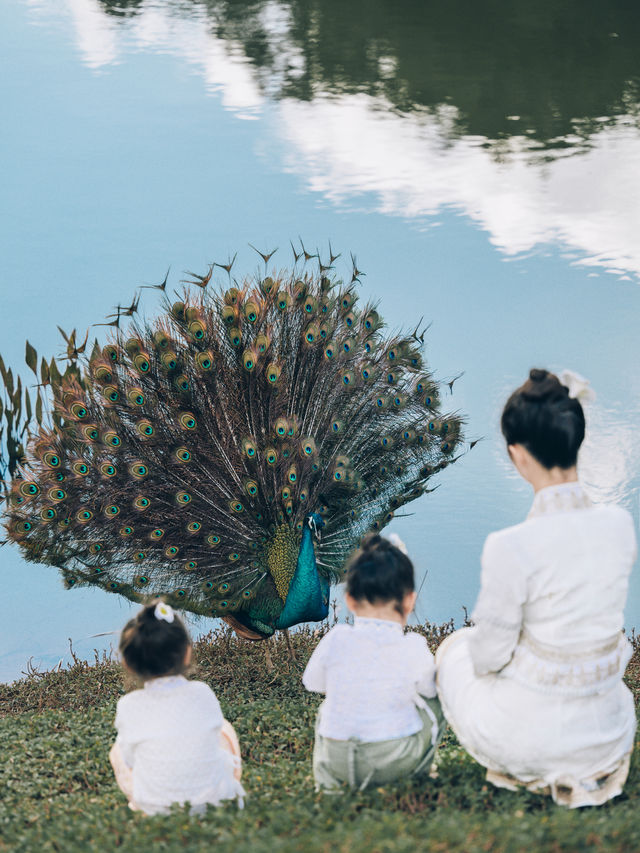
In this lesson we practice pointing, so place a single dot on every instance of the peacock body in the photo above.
(230, 453)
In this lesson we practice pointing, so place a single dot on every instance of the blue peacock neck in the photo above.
(308, 595)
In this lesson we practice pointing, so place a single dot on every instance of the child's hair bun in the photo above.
(543, 385)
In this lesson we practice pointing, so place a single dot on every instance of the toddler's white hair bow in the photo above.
(163, 611)
(399, 544)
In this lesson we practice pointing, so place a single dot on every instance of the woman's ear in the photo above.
(187, 655)
(408, 603)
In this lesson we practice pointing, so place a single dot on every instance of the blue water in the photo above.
(135, 141)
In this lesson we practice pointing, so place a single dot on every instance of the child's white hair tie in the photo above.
(579, 387)
(399, 544)
(163, 611)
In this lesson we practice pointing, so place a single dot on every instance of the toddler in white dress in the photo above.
(380, 720)
(173, 744)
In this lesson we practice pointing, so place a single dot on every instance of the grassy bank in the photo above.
(58, 793)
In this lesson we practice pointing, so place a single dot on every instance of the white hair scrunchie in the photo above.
(579, 387)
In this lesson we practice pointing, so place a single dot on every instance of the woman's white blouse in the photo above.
(169, 734)
(553, 590)
(373, 675)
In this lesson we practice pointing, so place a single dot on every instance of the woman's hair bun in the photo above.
(542, 417)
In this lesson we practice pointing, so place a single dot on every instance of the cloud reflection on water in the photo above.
(358, 149)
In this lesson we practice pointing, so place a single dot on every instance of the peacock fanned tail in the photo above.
(231, 453)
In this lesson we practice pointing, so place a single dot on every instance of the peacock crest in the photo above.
(230, 453)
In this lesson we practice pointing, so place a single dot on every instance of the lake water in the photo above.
(481, 160)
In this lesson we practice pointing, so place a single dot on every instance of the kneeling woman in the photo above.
(534, 690)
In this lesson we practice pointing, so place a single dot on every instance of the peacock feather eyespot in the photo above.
(348, 378)
(187, 421)
(251, 488)
(139, 556)
(177, 310)
(213, 540)
(90, 432)
(169, 360)
(303, 495)
(194, 527)
(96, 547)
(229, 315)
(233, 556)
(112, 439)
(141, 363)
(266, 285)
(399, 401)
(386, 441)
(23, 526)
(338, 475)
(365, 373)
(183, 498)
(336, 426)
(286, 493)
(17, 500)
(135, 396)
(29, 490)
(107, 470)
(223, 587)
(236, 506)
(272, 373)
(248, 360)
(160, 339)
(392, 377)
(247, 593)
(84, 516)
(182, 455)
(80, 468)
(103, 374)
(59, 477)
(329, 352)
(79, 411)
(311, 333)
(204, 360)
(56, 495)
(156, 534)
(171, 551)
(51, 459)
(197, 330)
(114, 585)
(292, 474)
(48, 514)
(141, 503)
(190, 566)
(223, 605)
(271, 456)
(280, 427)
(235, 337)
(112, 510)
(133, 345)
(207, 586)
(141, 580)
(262, 343)
(70, 581)
(63, 523)
(251, 311)
(138, 470)
(182, 383)
(308, 446)
(382, 402)
(249, 448)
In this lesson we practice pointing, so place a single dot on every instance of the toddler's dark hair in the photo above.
(542, 417)
(379, 572)
(153, 647)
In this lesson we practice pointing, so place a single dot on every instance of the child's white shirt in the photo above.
(169, 735)
(373, 675)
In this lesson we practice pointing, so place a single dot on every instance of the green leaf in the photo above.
(31, 357)
(54, 373)
(44, 372)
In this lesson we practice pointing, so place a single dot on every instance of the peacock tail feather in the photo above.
(230, 453)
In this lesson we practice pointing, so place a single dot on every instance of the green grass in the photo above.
(58, 792)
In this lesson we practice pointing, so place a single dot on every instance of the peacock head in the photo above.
(315, 522)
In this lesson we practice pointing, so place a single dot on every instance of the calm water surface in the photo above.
(482, 161)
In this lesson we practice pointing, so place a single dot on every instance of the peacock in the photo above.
(229, 453)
